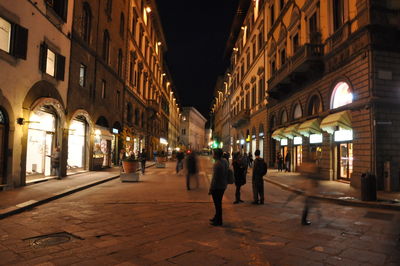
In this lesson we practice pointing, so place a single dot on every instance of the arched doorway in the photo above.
(78, 142)
(3, 145)
(44, 136)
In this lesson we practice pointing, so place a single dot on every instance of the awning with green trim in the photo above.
(310, 127)
(278, 134)
(333, 121)
(292, 131)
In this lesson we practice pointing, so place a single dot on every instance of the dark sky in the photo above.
(196, 34)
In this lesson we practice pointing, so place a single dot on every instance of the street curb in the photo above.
(19, 208)
(356, 203)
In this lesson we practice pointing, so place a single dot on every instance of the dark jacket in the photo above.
(143, 157)
(239, 169)
(258, 169)
(180, 155)
(220, 175)
(191, 164)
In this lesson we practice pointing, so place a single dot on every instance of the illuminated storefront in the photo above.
(77, 144)
(102, 147)
(311, 129)
(41, 143)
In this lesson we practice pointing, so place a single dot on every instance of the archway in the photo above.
(79, 132)
(45, 124)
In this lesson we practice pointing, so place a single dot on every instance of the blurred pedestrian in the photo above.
(143, 158)
(279, 160)
(259, 170)
(179, 161)
(311, 170)
(227, 156)
(250, 160)
(287, 161)
(155, 156)
(218, 185)
(55, 162)
(239, 170)
(192, 169)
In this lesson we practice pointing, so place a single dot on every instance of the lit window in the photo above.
(341, 95)
(297, 112)
(50, 62)
(82, 75)
(5, 35)
(103, 89)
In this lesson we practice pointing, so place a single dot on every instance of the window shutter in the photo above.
(43, 57)
(19, 42)
(60, 67)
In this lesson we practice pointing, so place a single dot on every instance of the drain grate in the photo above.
(51, 239)
(379, 216)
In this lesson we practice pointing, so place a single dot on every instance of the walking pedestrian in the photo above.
(192, 169)
(143, 158)
(179, 161)
(287, 161)
(259, 170)
(239, 170)
(218, 185)
(250, 160)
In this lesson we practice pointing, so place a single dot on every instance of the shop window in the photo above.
(297, 113)
(13, 39)
(51, 62)
(86, 22)
(106, 46)
(341, 95)
(82, 75)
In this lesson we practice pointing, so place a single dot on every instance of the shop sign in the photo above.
(115, 131)
(283, 142)
(297, 140)
(343, 135)
(315, 138)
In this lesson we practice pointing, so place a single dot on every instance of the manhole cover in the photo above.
(51, 239)
(379, 216)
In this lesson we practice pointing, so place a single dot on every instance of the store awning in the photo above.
(310, 127)
(331, 122)
(291, 131)
(278, 134)
(104, 133)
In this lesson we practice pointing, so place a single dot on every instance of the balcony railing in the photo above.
(304, 61)
(242, 118)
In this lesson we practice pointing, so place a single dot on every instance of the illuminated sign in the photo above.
(163, 141)
(242, 141)
(115, 130)
(261, 134)
(343, 135)
(283, 142)
(315, 138)
(248, 138)
(253, 137)
(237, 141)
(297, 140)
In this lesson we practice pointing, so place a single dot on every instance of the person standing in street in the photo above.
(143, 158)
(218, 185)
(192, 169)
(259, 170)
(250, 160)
(279, 159)
(287, 162)
(179, 161)
(239, 170)
(55, 162)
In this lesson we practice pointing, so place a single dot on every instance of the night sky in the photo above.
(196, 34)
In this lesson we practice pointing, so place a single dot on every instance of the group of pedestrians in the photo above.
(191, 166)
(283, 162)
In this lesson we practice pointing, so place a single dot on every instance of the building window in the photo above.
(314, 106)
(86, 22)
(118, 98)
(109, 8)
(295, 43)
(254, 49)
(341, 95)
(282, 4)
(137, 116)
(284, 117)
(103, 89)
(297, 112)
(51, 63)
(122, 25)
(106, 46)
(273, 66)
(60, 7)
(129, 113)
(13, 39)
(338, 11)
(248, 60)
(183, 131)
(261, 93)
(133, 26)
(247, 101)
(253, 96)
(272, 15)
(82, 75)
(283, 56)
(119, 65)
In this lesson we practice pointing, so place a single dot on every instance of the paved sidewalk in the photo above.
(336, 191)
(22, 198)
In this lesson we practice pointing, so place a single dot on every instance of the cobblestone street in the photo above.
(158, 222)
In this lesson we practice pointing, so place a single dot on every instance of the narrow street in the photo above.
(158, 222)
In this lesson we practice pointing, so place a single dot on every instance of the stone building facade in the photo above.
(332, 79)
(192, 129)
